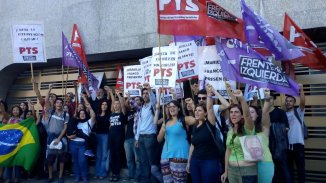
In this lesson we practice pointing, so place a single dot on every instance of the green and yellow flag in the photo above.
(19, 144)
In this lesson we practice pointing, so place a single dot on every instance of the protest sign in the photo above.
(179, 92)
(251, 90)
(243, 64)
(92, 91)
(210, 69)
(166, 95)
(28, 43)
(146, 64)
(164, 75)
(187, 61)
(133, 78)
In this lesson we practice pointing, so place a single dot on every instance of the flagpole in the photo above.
(192, 92)
(62, 80)
(66, 84)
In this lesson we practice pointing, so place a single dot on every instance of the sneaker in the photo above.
(126, 179)
(77, 180)
(50, 180)
(61, 180)
(101, 177)
(89, 153)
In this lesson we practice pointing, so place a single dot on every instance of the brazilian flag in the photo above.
(19, 144)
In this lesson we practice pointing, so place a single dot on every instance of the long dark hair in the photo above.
(176, 103)
(107, 111)
(240, 129)
(258, 123)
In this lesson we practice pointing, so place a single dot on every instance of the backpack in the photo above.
(303, 124)
(52, 112)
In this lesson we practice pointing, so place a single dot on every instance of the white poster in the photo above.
(166, 74)
(165, 53)
(28, 43)
(99, 77)
(179, 92)
(146, 63)
(251, 90)
(133, 78)
(210, 69)
(166, 96)
(187, 60)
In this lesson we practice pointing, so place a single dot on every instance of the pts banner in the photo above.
(28, 43)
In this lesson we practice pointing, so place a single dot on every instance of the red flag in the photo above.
(197, 18)
(119, 83)
(77, 45)
(313, 58)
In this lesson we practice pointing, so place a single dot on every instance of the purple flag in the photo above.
(199, 40)
(71, 58)
(67, 57)
(258, 31)
(241, 63)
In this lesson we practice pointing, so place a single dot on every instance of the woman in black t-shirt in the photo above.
(116, 133)
(203, 162)
(102, 134)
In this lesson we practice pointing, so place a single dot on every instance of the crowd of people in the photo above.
(202, 139)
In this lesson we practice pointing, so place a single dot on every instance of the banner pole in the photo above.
(32, 71)
(192, 92)
(62, 80)
(66, 84)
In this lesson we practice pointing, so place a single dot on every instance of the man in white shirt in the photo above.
(295, 133)
(145, 137)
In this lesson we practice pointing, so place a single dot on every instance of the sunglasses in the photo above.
(201, 98)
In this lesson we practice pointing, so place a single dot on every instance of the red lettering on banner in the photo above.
(133, 85)
(147, 78)
(166, 72)
(187, 65)
(35, 51)
(29, 50)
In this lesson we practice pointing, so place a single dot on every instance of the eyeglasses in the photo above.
(201, 98)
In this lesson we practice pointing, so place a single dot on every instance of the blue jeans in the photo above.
(147, 145)
(129, 146)
(205, 171)
(9, 170)
(101, 154)
(77, 150)
(137, 155)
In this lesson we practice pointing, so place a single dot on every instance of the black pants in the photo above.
(116, 141)
(282, 172)
(296, 155)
